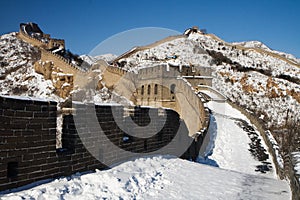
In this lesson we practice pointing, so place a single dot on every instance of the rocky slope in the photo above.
(17, 75)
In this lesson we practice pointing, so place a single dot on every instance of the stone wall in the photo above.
(31, 40)
(38, 43)
(289, 164)
(28, 150)
(60, 62)
(28, 132)
(52, 65)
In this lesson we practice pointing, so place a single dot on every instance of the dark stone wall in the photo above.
(28, 150)
(28, 145)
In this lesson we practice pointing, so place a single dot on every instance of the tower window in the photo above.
(149, 90)
(155, 88)
(142, 92)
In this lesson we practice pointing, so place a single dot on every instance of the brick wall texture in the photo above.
(28, 150)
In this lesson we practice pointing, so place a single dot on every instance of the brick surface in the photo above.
(28, 136)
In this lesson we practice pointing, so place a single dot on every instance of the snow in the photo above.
(253, 44)
(89, 59)
(232, 143)
(255, 93)
(19, 77)
(93, 59)
(107, 57)
(158, 177)
(261, 98)
(178, 52)
(258, 44)
(276, 149)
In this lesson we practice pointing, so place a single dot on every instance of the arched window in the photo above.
(172, 88)
(149, 90)
(142, 92)
(155, 88)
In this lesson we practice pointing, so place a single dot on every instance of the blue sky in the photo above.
(84, 24)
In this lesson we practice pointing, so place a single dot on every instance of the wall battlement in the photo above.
(48, 55)
(116, 70)
(31, 40)
(47, 44)
(28, 151)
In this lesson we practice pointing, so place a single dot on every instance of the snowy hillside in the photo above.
(107, 57)
(159, 178)
(179, 52)
(266, 84)
(258, 44)
(17, 75)
(262, 83)
(252, 44)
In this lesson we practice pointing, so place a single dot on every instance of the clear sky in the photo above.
(84, 24)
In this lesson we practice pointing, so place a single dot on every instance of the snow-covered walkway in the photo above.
(159, 178)
(238, 146)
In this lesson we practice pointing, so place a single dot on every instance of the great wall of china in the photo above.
(42, 160)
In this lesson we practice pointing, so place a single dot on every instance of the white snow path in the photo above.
(232, 142)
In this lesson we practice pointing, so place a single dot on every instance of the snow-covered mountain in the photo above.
(258, 44)
(253, 44)
(107, 57)
(250, 74)
(264, 81)
(92, 59)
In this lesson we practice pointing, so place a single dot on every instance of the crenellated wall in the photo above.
(31, 40)
(28, 150)
(61, 62)
(47, 44)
